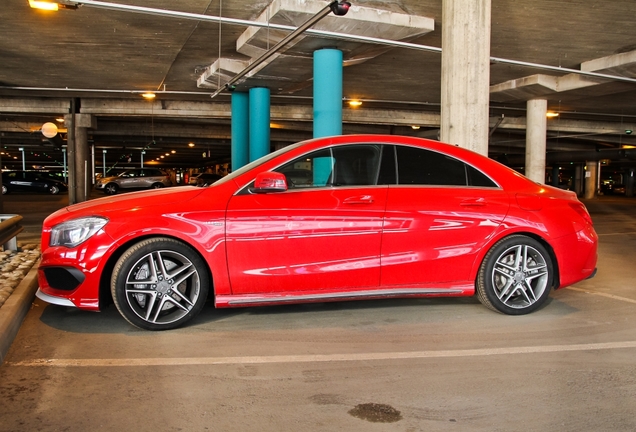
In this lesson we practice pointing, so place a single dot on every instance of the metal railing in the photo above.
(10, 227)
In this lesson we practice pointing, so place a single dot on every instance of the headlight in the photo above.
(77, 231)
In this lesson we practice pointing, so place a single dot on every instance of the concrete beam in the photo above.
(34, 105)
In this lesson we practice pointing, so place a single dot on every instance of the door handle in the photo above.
(473, 202)
(360, 199)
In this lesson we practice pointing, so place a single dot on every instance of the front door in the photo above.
(324, 233)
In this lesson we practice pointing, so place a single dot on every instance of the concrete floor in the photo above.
(398, 365)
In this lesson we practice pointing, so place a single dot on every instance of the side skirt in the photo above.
(277, 298)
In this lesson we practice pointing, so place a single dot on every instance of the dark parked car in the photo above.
(31, 181)
(141, 178)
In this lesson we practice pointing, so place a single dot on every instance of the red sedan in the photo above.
(339, 218)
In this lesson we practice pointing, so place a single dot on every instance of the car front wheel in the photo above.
(159, 284)
(157, 186)
(54, 190)
(516, 276)
(4, 190)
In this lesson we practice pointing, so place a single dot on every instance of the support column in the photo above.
(465, 73)
(629, 183)
(536, 130)
(259, 116)
(555, 175)
(240, 130)
(79, 158)
(327, 92)
(578, 169)
(590, 179)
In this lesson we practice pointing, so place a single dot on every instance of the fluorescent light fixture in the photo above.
(53, 6)
(415, 127)
(148, 95)
(551, 114)
(355, 103)
(43, 5)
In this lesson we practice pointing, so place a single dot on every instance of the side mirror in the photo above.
(270, 182)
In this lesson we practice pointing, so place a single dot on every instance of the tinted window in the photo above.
(425, 167)
(418, 166)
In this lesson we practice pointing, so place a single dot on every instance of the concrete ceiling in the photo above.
(103, 59)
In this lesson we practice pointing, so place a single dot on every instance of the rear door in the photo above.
(439, 216)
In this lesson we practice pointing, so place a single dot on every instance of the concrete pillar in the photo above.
(536, 128)
(80, 164)
(240, 130)
(82, 170)
(465, 73)
(259, 116)
(327, 92)
(590, 179)
(629, 183)
(578, 189)
(555, 175)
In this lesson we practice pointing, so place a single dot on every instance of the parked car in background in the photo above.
(31, 181)
(206, 179)
(132, 179)
(375, 216)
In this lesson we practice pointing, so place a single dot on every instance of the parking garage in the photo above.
(546, 88)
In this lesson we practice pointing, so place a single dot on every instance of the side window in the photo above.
(425, 167)
(336, 166)
(477, 178)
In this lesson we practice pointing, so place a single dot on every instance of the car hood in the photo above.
(127, 202)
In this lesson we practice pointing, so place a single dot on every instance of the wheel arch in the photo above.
(556, 282)
(105, 296)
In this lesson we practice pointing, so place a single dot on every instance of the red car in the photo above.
(370, 217)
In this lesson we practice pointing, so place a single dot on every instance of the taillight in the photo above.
(582, 211)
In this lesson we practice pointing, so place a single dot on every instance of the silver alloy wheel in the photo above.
(520, 276)
(162, 287)
(54, 190)
(516, 275)
(4, 190)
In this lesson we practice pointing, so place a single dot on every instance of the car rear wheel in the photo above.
(4, 190)
(157, 185)
(159, 284)
(54, 189)
(111, 189)
(516, 276)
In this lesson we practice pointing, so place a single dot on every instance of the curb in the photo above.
(14, 310)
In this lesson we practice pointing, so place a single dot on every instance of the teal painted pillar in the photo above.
(240, 130)
(259, 122)
(327, 92)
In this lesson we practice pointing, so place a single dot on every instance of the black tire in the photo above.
(4, 190)
(54, 189)
(159, 284)
(157, 186)
(111, 189)
(516, 276)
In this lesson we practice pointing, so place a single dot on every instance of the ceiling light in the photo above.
(60, 119)
(415, 127)
(53, 6)
(43, 5)
(148, 95)
(173, 151)
(551, 114)
(190, 144)
(355, 103)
